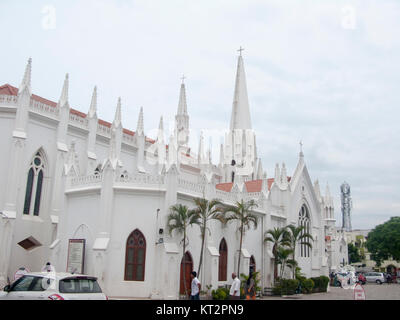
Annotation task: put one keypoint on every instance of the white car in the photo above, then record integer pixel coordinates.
(377, 277)
(53, 286)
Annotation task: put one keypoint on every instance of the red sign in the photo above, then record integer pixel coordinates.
(359, 293)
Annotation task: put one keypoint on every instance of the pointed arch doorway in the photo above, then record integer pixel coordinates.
(186, 269)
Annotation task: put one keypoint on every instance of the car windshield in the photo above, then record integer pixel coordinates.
(79, 285)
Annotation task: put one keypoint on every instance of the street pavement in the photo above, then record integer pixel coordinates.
(372, 292)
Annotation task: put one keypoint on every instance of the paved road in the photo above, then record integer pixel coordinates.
(372, 292)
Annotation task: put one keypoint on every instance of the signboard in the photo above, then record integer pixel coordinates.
(76, 256)
(359, 293)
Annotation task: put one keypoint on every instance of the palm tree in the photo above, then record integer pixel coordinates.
(278, 237)
(283, 255)
(178, 220)
(206, 210)
(241, 212)
(295, 235)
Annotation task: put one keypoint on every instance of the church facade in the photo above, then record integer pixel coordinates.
(93, 197)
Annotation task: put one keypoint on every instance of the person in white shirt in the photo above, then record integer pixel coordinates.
(235, 288)
(196, 286)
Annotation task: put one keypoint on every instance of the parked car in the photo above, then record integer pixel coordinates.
(377, 277)
(53, 286)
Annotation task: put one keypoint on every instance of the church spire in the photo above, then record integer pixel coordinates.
(26, 81)
(93, 105)
(240, 118)
(182, 106)
(117, 119)
(140, 124)
(63, 102)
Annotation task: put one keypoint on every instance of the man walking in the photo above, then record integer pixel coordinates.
(234, 293)
(196, 286)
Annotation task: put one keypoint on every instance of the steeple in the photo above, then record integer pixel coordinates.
(93, 105)
(200, 156)
(182, 106)
(240, 118)
(63, 102)
(182, 118)
(140, 124)
(26, 81)
(277, 175)
(117, 119)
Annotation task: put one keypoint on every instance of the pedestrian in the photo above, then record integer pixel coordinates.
(196, 286)
(249, 288)
(48, 268)
(234, 292)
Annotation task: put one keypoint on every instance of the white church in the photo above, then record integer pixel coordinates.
(92, 197)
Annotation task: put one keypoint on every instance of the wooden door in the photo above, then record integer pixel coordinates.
(186, 268)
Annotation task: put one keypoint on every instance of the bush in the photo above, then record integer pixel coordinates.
(307, 285)
(220, 294)
(324, 281)
(320, 284)
(285, 287)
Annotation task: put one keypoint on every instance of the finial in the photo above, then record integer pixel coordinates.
(301, 149)
(183, 78)
(240, 50)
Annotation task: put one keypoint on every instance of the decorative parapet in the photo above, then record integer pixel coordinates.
(141, 180)
(103, 130)
(44, 109)
(84, 182)
(8, 100)
(78, 121)
(224, 196)
(127, 138)
(185, 186)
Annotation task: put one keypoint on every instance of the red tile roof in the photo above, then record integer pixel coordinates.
(251, 186)
(13, 91)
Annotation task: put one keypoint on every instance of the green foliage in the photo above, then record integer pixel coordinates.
(320, 284)
(384, 241)
(354, 255)
(285, 287)
(307, 285)
(220, 294)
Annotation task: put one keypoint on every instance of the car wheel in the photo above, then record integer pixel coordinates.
(378, 281)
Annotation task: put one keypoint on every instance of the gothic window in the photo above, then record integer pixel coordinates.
(34, 186)
(304, 221)
(135, 256)
(223, 261)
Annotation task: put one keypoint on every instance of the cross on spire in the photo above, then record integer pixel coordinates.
(240, 50)
(301, 146)
(183, 78)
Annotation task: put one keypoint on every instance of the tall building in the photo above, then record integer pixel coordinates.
(347, 205)
(93, 196)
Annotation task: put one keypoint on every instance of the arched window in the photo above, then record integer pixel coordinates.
(135, 256)
(304, 220)
(252, 266)
(34, 185)
(223, 260)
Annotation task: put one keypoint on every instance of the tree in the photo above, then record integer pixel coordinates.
(354, 255)
(283, 255)
(295, 235)
(179, 219)
(278, 238)
(241, 212)
(384, 241)
(206, 210)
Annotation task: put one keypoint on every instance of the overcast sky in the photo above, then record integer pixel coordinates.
(324, 72)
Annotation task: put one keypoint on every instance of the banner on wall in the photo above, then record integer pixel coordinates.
(76, 256)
